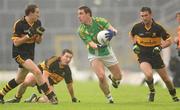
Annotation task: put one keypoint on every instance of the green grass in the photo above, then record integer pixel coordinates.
(126, 97)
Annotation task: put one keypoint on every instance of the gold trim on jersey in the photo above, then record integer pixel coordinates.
(51, 60)
(55, 77)
(14, 38)
(43, 66)
(97, 21)
(19, 59)
(31, 40)
(148, 41)
(148, 28)
(15, 25)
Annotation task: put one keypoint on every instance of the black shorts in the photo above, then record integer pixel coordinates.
(21, 58)
(155, 60)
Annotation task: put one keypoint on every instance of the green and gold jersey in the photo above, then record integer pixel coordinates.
(89, 33)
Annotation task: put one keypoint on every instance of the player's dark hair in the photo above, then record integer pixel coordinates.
(178, 13)
(67, 51)
(143, 9)
(30, 9)
(86, 10)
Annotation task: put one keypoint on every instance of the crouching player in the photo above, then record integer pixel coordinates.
(54, 70)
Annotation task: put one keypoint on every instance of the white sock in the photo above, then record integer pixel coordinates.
(109, 97)
(118, 81)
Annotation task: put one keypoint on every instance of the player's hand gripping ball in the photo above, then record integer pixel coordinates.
(104, 37)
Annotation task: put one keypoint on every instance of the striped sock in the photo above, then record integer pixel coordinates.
(8, 87)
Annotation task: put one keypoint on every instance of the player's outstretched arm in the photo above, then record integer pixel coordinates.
(71, 92)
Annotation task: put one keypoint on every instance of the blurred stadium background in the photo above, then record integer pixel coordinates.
(59, 17)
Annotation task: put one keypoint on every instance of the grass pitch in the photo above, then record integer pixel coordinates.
(126, 97)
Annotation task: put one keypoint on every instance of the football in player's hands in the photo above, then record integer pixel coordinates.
(102, 37)
(30, 32)
(40, 30)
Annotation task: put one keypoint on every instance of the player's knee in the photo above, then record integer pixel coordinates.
(25, 84)
(101, 77)
(37, 72)
(19, 81)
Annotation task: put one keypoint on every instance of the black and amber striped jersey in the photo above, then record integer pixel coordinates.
(57, 72)
(148, 38)
(19, 29)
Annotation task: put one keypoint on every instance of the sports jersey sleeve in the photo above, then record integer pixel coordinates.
(17, 29)
(103, 23)
(68, 75)
(49, 61)
(133, 31)
(39, 23)
(164, 35)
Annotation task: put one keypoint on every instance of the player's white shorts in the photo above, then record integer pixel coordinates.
(108, 60)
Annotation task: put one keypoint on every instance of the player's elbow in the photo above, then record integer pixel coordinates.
(38, 42)
(169, 42)
(16, 43)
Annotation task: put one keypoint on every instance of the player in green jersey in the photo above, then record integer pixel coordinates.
(99, 55)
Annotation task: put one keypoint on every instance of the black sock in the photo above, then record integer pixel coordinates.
(150, 85)
(8, 87)
(172, 92)
(50, 95)
(44, 88)
(38, 88)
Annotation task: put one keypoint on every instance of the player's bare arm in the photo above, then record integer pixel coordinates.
(71, 92)
(20, 40)
(93, 44)
(70, 89)
(166, 43)
(113, 29)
